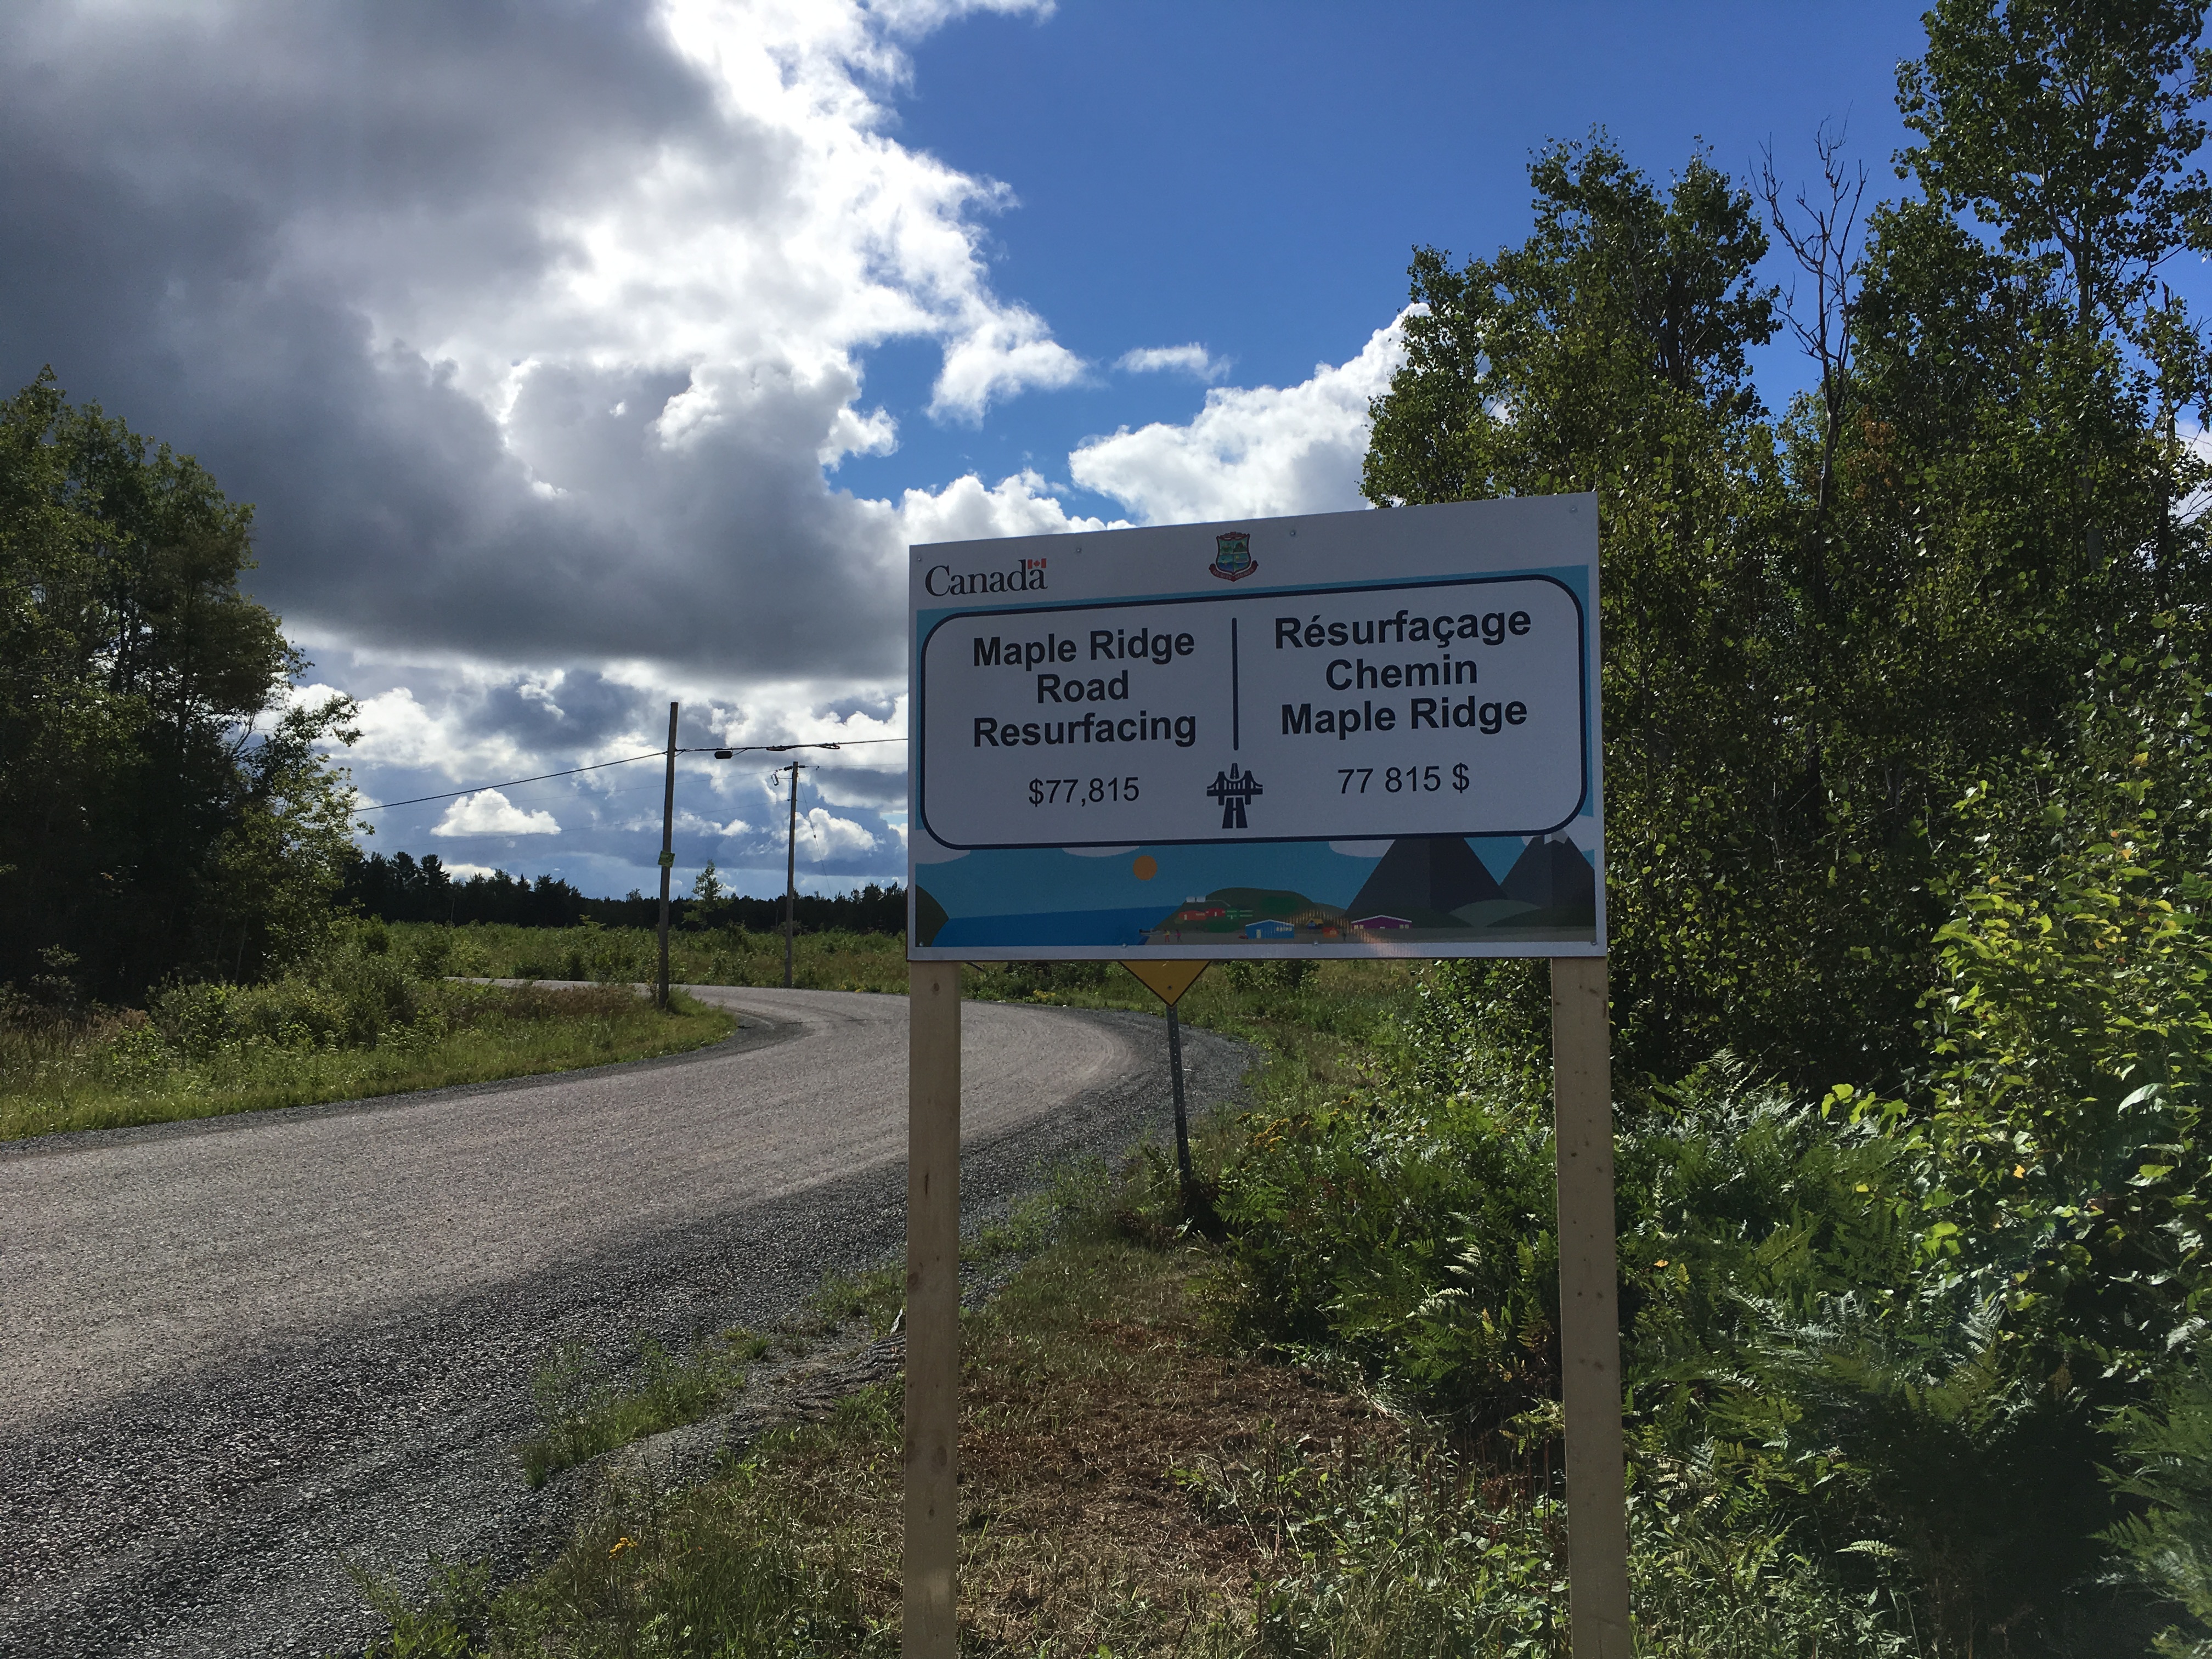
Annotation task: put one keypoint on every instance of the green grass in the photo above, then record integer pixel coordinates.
(582, 1412)
(1133, 1483)
(116, 1069)
(1290, 1004)
(820, 961)
(770, 1559)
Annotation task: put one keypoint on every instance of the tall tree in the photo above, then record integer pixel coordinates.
(1822, 629)
(2068, 127)
(162, 807)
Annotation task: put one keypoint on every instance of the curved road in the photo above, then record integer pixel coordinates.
(240, 1352)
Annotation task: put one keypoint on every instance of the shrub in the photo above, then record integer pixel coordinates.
(1277, 974)
(2166, 1449)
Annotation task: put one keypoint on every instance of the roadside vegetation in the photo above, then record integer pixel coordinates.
(365, 1016)
(832, 960)
(1147, 1471)
(1336, 1432)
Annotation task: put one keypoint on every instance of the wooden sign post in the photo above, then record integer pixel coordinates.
(931, 1557)
(1589, 1310)
(1342, 735)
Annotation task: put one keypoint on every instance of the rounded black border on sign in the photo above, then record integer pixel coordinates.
(921, 696)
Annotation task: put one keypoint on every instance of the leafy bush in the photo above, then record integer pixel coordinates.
(2167, 1446)
(1794, 1331)
(1413, 1234)
(2071, 1030)
(1278, 973)
(1413, 1550)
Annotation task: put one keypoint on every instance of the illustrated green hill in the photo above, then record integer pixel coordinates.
(1243, 906)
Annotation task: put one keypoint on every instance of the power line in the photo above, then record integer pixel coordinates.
(416, 801)
(719, 751)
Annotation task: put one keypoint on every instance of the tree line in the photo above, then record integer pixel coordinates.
(402, 888)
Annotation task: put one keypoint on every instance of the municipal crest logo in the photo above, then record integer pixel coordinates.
(1232, 556)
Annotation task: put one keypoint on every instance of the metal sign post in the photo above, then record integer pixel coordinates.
(1344, 735)
(1168, 980)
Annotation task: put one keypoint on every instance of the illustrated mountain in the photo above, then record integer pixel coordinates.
(1422, 879)
(1553, 875)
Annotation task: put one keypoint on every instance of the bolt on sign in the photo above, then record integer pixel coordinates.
(1347, 734)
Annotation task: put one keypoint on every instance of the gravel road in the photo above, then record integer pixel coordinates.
(241, 1352)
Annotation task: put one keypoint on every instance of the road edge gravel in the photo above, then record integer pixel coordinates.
(754, 1031)
(404, 1478)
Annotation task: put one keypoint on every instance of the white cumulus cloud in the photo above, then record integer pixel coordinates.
(823, 836)
(965, 511)
(488, 812)
(1006, 352)
(397, 729)
(1260, 450)
(1192, 360)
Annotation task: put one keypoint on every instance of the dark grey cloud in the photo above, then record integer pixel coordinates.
(306, 243)
(528, 328)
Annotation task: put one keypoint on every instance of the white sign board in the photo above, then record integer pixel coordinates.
(1355, 734)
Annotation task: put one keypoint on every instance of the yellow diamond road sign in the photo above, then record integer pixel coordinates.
(1168, 980)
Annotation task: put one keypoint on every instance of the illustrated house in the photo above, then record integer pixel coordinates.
(1271, 929)
(1376, 923)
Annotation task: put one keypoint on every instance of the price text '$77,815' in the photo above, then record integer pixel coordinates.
(1071, 792)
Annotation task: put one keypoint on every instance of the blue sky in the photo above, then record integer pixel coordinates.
(579, 358)
(1252, 178)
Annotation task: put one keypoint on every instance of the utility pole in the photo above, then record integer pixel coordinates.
(791, 876)
(668, 856)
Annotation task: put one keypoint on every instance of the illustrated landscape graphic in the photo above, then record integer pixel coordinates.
(1424, 889)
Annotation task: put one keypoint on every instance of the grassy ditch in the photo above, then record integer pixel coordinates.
(1147, 1472)
(1339, 1000)
(369, 1018)
(585, 1407)
(1088, 1385)
(1134, 1482)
